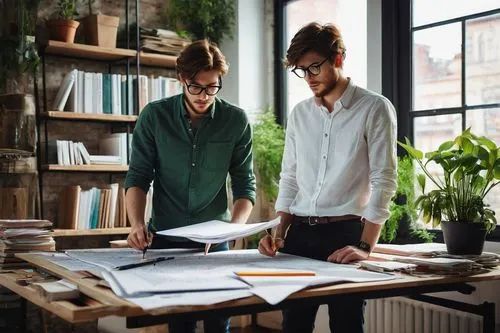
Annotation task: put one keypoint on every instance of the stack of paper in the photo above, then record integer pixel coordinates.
(420, 250)
(386, 266)
(17, 236)
(214, 232)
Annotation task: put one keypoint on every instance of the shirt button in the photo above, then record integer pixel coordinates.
(324, 157)
(326, 134)
(194, 146)
(193, 164)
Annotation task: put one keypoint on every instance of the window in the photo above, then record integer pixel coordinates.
(340, 12)
(455, 73)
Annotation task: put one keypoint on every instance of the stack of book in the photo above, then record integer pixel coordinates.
(95, 208)
(20, 236)
(162, 41)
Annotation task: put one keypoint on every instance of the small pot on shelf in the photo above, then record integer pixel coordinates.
(101, 30)
(63, 30)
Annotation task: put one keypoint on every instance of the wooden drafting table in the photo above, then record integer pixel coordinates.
(98, 300)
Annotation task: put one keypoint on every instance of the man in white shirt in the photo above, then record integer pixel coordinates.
(338, 171)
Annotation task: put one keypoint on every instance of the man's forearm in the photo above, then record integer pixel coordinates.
(371, 233)
(241, 211)
(136, 205)
(285, 221)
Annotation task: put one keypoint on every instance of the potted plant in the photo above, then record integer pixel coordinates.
(268, 145)
(63, 28)
(199, 19)
(100, 30)
(470, 167)
(401, 226)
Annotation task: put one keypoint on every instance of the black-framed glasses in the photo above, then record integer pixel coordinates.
(313, 69)
(196, 89)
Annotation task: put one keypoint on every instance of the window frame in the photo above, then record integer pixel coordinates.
(397, 72)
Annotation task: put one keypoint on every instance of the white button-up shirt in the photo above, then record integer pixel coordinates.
(343, 162)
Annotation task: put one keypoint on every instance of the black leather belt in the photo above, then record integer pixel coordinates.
(314, 220)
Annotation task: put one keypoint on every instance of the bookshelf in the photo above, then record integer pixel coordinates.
(83, 51)
(126, 64)
(63, 115)
(90, 232)
(86, 168)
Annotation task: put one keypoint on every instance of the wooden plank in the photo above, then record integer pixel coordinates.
(89, 116)
(158, 60)
(86, 168)
(91, 232)
(87, 51)
(86, 285)
(86, 310)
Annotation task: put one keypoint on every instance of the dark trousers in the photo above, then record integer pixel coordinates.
(212, 325)
(318, 242)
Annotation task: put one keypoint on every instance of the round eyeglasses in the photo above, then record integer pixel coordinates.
(196, 89)
(313, 69)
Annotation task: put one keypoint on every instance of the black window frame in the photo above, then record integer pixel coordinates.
(397, 72)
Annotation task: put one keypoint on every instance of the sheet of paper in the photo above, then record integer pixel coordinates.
(410, 249)
(384, 266)
(181, 299)
(219, 231)
(110, 258)
(72, 264)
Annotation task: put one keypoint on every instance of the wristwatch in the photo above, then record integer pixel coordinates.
(364, 246)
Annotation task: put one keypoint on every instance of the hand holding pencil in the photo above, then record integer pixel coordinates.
(271, 243)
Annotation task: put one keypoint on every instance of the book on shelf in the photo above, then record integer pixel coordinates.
(106, 93)
(67, 152)
(95, 208)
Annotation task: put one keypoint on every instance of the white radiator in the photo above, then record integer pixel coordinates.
(403, 315)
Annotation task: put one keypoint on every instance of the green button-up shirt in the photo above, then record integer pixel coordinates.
(190, 170)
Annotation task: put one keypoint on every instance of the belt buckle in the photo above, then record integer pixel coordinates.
(312, 222)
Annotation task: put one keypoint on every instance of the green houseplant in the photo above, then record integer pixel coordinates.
(199, 19)
(63, 28)
(470, 168)
(268, 145)
(401, 223)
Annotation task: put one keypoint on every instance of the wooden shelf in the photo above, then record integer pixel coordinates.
(87, 51)
(89, 116)
(86, 168)
(108, 54)
(158, 60)
(90, 232)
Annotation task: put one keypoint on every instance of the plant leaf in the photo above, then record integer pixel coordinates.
(421, 182)
(446, 145)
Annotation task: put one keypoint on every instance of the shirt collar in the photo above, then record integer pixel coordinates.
(346, 98)
(210, 114)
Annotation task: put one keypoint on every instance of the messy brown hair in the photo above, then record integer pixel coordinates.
(323, 39)
(200, 56)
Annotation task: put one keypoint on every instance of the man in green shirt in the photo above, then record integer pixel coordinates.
(188, 144)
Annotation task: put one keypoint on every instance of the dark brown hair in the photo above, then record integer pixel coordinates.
(323, 39)
(198, 56)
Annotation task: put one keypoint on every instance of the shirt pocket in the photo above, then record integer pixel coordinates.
(217, 155)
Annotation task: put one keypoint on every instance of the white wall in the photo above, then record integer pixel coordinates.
(249, 83)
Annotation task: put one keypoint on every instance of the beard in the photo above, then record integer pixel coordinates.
(194, 108)
(329, 86)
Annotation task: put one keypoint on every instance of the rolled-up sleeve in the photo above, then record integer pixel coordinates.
(381, 138)
(241, 169)
(143, 157)
(288, 187)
